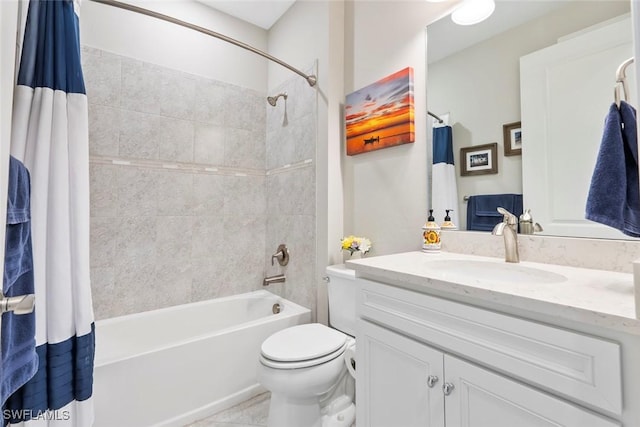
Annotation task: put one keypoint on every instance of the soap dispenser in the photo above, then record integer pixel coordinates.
(448, 224)
(431, 235)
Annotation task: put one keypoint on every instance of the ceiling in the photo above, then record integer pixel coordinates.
(263, 13)
(445, 38)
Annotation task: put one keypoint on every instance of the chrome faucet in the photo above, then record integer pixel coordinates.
(508, 228)
(273, 279)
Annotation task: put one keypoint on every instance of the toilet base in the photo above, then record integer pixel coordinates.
(334, 409)
(286, 413)
(340, 416)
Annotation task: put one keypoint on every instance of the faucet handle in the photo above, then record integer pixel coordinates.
(509, 218)
(282, 255)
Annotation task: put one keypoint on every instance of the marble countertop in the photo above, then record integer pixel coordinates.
(597, 297)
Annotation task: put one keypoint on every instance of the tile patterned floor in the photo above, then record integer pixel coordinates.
(252, 413)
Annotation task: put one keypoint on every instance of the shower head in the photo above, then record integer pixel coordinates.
(273, 99)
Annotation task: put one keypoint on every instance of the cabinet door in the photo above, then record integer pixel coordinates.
(393, 385)
(481, 398)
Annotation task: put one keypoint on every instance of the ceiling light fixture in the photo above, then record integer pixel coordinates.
(473, 11)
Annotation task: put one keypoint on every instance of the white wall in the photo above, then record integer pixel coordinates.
(480, 88)
(386, 190)
(151, 40)
(313, 31)
(334, 180)
(299, 37)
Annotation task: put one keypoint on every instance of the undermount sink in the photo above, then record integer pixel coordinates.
(488, 271)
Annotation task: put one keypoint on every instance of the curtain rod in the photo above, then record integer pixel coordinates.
(431, 114)
(311, 79)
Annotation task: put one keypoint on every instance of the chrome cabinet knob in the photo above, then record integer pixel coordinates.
(447, 388)
(432, 380)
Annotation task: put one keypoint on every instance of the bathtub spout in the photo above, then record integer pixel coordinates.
(273, 279)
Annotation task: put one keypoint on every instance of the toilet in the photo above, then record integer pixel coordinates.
(310, 369)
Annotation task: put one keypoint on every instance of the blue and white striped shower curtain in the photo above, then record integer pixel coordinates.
(50, 136)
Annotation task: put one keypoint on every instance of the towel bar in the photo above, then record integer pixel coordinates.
(22, 304)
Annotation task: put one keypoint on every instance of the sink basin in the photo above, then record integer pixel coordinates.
(487, 271)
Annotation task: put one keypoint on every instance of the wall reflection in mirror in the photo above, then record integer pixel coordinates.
(551, 66)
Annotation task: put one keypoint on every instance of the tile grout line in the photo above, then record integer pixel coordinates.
(196, 167)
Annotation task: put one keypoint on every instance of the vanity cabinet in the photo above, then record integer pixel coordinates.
(426, 361)
(399, 380)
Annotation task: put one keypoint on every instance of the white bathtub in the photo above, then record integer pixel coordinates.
(172, 366)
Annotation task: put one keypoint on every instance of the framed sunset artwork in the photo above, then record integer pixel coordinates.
(381, 115)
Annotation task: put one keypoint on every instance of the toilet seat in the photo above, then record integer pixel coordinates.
(302, 346)
(302, 363)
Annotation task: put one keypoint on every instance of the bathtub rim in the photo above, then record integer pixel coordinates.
(290, 309)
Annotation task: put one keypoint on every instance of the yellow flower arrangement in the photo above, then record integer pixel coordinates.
(355, 244)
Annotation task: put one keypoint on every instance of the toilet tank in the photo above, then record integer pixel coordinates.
(342, 298)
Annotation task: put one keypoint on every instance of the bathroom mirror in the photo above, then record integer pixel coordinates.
(473, 78)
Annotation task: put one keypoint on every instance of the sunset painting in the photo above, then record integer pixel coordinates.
(381, 114)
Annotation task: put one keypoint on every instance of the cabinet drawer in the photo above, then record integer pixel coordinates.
(578, 367)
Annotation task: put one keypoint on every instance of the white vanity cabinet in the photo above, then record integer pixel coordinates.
(427, 361)
(399, 380)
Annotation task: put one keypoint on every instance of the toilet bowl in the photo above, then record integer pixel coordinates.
(309, 369)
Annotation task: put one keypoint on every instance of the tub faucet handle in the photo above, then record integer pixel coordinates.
(282, 255)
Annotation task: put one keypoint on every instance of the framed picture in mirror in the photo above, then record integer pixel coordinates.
(479, 159)
(512, 134)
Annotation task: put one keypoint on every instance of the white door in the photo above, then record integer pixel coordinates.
(566, 90)
(399, 380)
(481, 398)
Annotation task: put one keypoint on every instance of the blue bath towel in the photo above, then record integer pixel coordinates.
(614, 195)
(482, 211)
(18, 361)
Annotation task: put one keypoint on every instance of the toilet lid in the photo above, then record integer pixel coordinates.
(303, 342)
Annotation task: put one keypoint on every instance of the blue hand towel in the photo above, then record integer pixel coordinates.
(18, 361)
(482, 211)
(614, 195)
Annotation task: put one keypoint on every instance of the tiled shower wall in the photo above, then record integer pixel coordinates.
(178, 185)
(291, 189)
(193, 181)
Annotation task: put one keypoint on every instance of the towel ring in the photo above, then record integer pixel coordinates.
(616, 94)
(621, 80)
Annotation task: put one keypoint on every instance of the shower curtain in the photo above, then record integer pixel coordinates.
(50, 136)
(444, 190)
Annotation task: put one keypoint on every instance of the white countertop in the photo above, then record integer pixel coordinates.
(597, 297)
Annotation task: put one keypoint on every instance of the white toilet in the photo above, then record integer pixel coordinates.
(310, 369)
